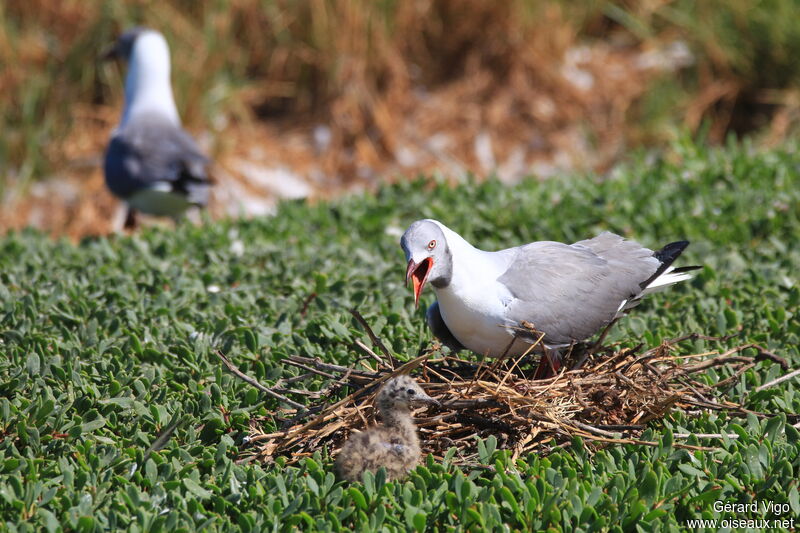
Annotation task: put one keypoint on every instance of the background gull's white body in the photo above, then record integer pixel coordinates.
(147, 85)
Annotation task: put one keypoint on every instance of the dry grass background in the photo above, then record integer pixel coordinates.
(319, 97)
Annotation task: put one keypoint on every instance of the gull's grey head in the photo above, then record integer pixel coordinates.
(428, 256)
(401, 394)
(124, 46)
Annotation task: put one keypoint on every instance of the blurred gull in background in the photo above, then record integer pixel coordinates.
(151, 162)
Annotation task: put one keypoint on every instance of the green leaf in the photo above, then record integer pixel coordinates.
(125, 402)
(648, 487)
(475, 516)
(794, 500)
(33, 364)
(93, 425)
(196, 489)
(86, 524)
(691, 471)
(792, 434)
(50, 521)
(420, 520)
(774, 427)
(358, 498)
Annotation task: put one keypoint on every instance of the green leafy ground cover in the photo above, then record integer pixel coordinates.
(105, 344)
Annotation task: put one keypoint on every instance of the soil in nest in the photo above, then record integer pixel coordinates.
(610, 398)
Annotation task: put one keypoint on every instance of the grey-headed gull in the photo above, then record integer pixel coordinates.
(568, 292)
(151, 162)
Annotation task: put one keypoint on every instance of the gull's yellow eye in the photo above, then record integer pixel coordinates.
(432, 244)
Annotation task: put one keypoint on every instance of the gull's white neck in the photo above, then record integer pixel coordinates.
(147, 86)
(473, 304)
(471, 266)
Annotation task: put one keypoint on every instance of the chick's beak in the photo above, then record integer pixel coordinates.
(418, 274)
(427, 400)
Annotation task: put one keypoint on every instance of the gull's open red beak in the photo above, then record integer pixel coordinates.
(418, 274)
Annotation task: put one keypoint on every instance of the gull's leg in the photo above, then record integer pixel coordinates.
(549, 364)
(131, 220)
(594, 347)
(602, 336)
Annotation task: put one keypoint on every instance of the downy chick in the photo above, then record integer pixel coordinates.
(393, 445)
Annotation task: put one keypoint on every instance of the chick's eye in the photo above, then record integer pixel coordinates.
(411, 392)
(432, 244)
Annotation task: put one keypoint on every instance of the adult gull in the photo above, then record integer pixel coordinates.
(151, 162)
(568, 292)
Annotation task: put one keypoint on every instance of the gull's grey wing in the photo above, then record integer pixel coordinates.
(569, 292)
(150, 150)
(440, 329)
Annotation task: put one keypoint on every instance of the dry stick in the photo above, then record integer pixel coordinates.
(596, 345)
(682, 357)
(717, 406)
(320, 365)
(472, 403)
(729, 357)
(364, 348)
(374, 338)
(592, 429)
(614, 357)
(320, 418)
(669, 343)
(692, 388)
(698, 336)
(437, 374)
(445, 369)
(511, 369)
(781, 379)
(309, 393)
(311, 370)
(306, 303)
(621, 427)
(656, 372)
(478, 372)
(765, 354)
(244, 377)
(632, 384)
(646, 359)
(727, 381)
(719, 360)
(302, 377)
(287, 423)
(481, 371)
(705, 435)
(595, 435)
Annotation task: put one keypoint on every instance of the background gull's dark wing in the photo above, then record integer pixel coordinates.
(151, 151)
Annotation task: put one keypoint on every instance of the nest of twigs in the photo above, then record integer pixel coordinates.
(609, 399)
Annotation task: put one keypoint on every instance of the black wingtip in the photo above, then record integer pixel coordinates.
(666, 255)
(678, 270)
(670, 252)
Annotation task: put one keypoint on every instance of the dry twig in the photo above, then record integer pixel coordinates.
(270, 392)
